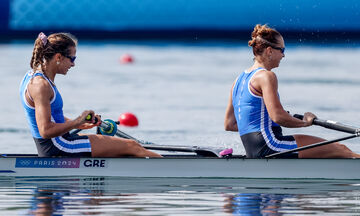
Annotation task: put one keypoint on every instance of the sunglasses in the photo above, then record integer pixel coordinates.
(282, 50)
(72, 58)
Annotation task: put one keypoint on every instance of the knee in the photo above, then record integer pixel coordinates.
(344, 147)
(135, 147)
(134, 144)
(341, 145)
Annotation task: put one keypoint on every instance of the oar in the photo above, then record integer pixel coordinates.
(327, 124)
(202, 151)
(109, 127)
(332, 125)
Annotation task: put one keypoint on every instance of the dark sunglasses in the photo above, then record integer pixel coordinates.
(282, 50)
(72, 58)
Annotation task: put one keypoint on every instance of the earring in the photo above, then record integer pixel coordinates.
(57, 62)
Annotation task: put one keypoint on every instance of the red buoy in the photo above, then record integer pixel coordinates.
(128, 119)
(126, 59)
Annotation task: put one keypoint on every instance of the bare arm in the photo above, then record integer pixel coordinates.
(230, 120)
(87, 124)
(41, 92)
(268, 83)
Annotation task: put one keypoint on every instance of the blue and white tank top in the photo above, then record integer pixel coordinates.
(56, 103)
(249, 109)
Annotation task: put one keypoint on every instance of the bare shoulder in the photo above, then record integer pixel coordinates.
(266, 76)
(39, 86)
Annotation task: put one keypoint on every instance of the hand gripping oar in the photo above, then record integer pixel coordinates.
(109, 127)
(327, 124)
(332, 125)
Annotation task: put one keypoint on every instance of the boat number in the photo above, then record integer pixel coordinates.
(95, 163)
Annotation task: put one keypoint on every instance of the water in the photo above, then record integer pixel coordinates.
(172, 196)
(179, 92)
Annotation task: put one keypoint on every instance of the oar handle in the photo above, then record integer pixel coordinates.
(89, 117)
(332, 125)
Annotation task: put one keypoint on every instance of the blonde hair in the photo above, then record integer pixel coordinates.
(263, 37)
(46, 47)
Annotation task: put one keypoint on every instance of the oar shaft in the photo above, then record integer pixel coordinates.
(119, 133)
(208, 152)
(332, 125)
(311, 146)
(168, 148)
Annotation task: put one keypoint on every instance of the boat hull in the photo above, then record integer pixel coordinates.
(183, 167)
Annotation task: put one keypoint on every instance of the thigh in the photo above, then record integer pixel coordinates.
(108, 146)
(332, 150)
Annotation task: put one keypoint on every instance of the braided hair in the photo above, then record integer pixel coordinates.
(46, 47)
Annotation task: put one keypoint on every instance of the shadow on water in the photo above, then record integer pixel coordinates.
(101, 195)
(13, 130)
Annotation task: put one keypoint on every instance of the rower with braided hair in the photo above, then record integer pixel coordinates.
(43, 107)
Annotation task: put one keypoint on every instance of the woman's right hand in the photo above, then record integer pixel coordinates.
(81, 121)
(309, 118)
(94, 122)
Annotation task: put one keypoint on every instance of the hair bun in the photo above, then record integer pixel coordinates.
(261, 37)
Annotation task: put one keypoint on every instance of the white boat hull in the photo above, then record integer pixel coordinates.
(183, 167)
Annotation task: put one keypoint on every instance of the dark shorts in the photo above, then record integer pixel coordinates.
(67, 145)
(259, 145)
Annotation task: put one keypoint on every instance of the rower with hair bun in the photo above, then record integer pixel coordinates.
(43, 107)
(255, 111)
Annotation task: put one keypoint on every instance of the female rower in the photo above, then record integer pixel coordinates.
(43, 107)
(255, 110)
